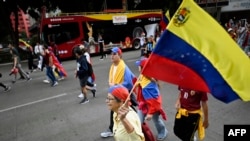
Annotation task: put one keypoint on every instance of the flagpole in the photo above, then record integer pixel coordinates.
(131, 91)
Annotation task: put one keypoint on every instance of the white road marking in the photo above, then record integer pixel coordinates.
(34, 102)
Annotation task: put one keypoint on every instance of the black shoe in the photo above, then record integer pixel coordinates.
(21, 78)
(84, 101)
(93, 92)
(29, 79)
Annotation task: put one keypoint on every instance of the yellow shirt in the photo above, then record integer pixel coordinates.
(120, 133)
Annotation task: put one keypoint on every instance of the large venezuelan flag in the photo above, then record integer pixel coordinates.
(197, 53)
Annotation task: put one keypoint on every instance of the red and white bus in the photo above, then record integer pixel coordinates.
(119, 29)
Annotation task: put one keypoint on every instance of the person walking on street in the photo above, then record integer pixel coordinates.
(192, 114)
(127, 125)
(119, 74)
(6, 88)
(150, 102)
(91, 79)
(150, 45)
(142, 43)
(55, 51)
(17, 63)
(101, 46)
(82, 72)
(39, 51)
(48, 61)
(28, 49)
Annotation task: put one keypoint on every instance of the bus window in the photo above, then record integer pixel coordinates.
(61, 32)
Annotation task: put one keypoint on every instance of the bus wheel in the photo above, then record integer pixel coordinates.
(136, 44)
(137, 32)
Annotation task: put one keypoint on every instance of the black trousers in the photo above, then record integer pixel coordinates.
(185, 127)
(102, 52)
(2, 85)
(31, 64)
(111, 124)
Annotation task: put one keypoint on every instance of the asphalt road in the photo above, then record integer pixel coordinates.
(34, 111)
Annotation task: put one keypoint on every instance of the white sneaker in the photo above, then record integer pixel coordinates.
(46, 81)
(55, 84)
(80, 95)
(195, 138)
(107, 134)
(61, 78)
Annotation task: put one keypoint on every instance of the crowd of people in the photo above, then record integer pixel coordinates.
(240, 33)
(47, 58)
(132, 100)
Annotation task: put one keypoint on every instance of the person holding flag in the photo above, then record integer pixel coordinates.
(119, 74)
(127, 125)
(150, 103)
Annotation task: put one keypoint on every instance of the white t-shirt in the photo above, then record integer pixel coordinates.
(39, 49)
(87, 56)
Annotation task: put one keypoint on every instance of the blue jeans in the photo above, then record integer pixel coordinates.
(50, 74)
(158, 122)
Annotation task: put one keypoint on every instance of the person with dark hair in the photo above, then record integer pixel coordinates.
(28, 49)
(82, 72)
(192, 114)
(143, 41)
(149, 45)
(101, 46)
(17, 64)
(39, 51)
(91, 79)
(55, 51)
(6, 88)
(48, 61)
